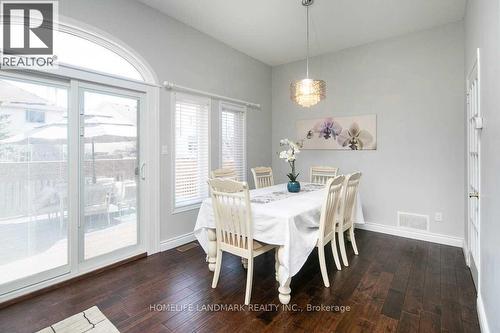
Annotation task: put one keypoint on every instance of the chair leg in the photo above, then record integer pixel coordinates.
(218, 264)
(322, 265)
(353, 241)
(248, 292)
(342, 248)
(335, 252)
(276, 263)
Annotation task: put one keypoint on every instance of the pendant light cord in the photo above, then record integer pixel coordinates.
(307, 40)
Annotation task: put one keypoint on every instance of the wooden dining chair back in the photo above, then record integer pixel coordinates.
(346, 221)
(223, 174)
(329, 214)
(231, 202)
(321, 174)
(350, 195)
(233, 224)
(263, 177)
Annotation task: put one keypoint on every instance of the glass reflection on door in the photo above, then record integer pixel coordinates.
(33, 181)
(109, 173)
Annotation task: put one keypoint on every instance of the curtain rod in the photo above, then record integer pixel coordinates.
(173, 86)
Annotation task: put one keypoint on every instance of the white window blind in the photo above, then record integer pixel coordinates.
(233, 138)
(191, 149)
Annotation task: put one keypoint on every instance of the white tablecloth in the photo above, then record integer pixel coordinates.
(292, 222)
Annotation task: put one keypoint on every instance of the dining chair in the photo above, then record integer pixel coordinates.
(224, 174)
(234, 227)
(329, 214)
(346, 220)
(263, 177)
(321, 174)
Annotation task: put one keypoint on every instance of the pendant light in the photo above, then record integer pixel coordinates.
(307, 92)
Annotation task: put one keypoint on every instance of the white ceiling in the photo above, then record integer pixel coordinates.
(273, 31)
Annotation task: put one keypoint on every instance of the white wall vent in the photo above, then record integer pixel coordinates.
(413, 221)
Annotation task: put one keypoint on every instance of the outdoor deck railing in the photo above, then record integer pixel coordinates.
(24, 186)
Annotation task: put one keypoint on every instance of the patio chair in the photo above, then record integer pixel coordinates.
(97, 200)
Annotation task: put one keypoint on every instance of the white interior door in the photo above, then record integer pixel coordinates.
(474, 125)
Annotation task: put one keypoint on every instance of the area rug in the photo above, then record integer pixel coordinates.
(88, 321)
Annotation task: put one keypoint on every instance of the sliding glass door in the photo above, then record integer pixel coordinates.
(70, 178)
(110, 170)
(34, 229)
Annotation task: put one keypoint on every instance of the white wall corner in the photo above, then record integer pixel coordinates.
(408, 233)
(176, 241)
(465, 249)
(483, 320)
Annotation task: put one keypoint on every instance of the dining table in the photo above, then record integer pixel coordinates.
(288, 220)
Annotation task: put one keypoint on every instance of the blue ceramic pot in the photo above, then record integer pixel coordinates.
(293, 187)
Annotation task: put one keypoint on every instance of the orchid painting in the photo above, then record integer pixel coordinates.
(327, 128)
(346, 133)
(354, 137)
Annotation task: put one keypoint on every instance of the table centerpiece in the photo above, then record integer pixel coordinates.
(289, 154)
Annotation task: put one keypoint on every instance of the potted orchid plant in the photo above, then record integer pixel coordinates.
(289, 154)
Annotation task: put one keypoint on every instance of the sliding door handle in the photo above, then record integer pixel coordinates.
(143, 171)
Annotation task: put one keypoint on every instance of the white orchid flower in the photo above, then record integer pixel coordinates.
(290, 156)
(355, 138)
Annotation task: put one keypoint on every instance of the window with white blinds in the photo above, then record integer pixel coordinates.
(191, 149)
(233, 138)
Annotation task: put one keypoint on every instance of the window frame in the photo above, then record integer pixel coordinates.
(237, 108)
(110, 42)
(73, 76)
(173, 102)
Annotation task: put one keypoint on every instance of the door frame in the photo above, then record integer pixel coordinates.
(150, 189)
(473, 75)
(140, 247)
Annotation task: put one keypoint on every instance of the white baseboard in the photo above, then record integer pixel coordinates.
(420, 235)
(483, 320)
(176, 241)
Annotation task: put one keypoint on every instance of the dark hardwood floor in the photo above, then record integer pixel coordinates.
(394, 285)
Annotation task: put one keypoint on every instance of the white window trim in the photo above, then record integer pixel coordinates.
(109, 41)
(243, 109)
(174, 209)
(151, 88)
